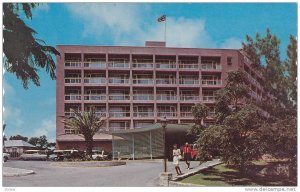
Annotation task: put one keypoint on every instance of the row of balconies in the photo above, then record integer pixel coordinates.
(102, 80)
(102, 97)
(170, 114)
(207, 65)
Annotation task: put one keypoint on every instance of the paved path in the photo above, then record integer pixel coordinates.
(133, 174)
(14, 172)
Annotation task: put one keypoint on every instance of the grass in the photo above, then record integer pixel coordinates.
(222, 175)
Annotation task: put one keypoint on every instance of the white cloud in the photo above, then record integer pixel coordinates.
(47, 127)
(232, 43)
(130, 24)
(42, 7)
(15, 116)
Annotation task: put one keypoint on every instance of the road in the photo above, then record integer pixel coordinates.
(133, 174)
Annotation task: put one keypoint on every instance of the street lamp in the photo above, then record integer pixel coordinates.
(164, 123)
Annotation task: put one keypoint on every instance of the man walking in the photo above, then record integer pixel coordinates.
(187, 150)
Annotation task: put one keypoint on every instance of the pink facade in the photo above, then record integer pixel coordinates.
(137, 86)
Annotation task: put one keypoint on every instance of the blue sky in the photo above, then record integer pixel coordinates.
(221, 25)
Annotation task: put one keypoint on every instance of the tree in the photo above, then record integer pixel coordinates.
(34, 141)
(86, 124)
(23, 53)
(236, 136)
(200, 112)
(18, 137)
(291, 68)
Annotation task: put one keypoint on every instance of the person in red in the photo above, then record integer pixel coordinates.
(187, 150)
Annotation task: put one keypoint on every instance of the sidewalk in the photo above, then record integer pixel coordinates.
(13, 172)
(195, 168)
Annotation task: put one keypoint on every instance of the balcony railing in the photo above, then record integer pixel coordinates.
(118, 81)
(166, 64)
(189, 66)
(72, 97)
(209, 98)
(118, 64)
(69, 114)
(165, 81)
(119, 97)
(95, 80)
(119, 114)
(95, 64)
(189, 97)
(143, 114)
(166, 114)
(189, 81)
(166, 97)
(93, 97)
(143, 65)
(143, 97)
(210, 67)
(211, 82)
(143, 81)
(186, 114)
(75, 64)
(69, 131)
(72, 80)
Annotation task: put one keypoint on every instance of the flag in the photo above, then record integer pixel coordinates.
(162, 18)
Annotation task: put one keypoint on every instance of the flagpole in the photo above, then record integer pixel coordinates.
(166, 31)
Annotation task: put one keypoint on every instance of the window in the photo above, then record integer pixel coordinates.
(229, 60)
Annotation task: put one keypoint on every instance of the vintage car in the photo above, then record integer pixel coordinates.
(34, 155)
(6, 156)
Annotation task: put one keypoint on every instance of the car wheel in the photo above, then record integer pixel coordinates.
(5, 159)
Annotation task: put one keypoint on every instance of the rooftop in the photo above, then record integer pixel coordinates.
(17, 143)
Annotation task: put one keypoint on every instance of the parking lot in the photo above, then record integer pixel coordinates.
(133, 174)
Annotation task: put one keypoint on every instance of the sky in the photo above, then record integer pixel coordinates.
(205, 25)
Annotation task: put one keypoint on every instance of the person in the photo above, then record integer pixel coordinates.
(176, 158)
(187, 152)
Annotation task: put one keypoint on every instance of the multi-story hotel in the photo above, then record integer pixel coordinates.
(136, 86)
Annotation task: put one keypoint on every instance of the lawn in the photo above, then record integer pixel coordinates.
(222, 175)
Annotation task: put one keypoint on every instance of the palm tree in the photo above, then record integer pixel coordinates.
(86, 124)
(23, 53)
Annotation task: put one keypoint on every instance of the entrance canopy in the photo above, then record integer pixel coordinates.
(148, 142)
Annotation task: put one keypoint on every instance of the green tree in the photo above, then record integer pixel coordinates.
(291, 68)
(18, 137)
(86, 124)
(200, 112)
(23, 53)
(43, 142)
(236, 136)
(34, 141)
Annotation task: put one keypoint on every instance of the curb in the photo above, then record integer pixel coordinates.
(89, 164)
(178, 184)
(17, 172)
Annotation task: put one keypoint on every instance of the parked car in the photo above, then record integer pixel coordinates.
(195, 152)
(68, 154)
(99, 155)
(6, 156)
(34, 155)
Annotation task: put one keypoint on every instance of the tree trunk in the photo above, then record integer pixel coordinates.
(89, 146)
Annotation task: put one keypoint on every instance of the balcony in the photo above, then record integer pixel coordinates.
(189, 82)
(209, 98)
(69, 114)
(211, 82)
(166, 64)
(72, 64)
(95, 64)
(95, 80)
(148, 65)
(72, 97)
(166, 97)
(210, 66)
(119, 114)
(166, 114)
(118, 81)
(189, 98)
(143, 114)
(119, 97)
(186, 114)
(190, 66)
(143, 81)
(143, 97)
(118, 64)
(162, 81)
(72, 80)
(94, 97)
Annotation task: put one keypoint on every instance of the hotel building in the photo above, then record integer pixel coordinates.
(137, 86)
